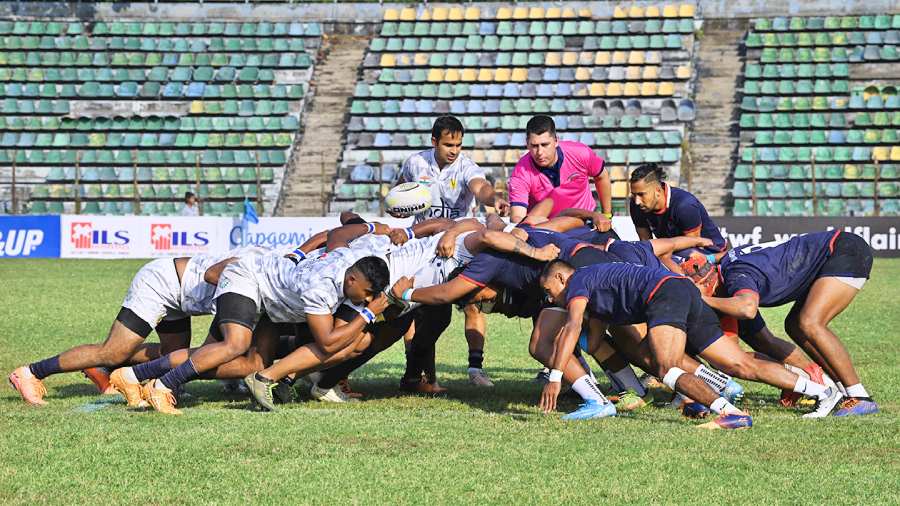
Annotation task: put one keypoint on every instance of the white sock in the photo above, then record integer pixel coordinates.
(587, 367)
(857, 390)
(810, 388)
(715, 379)
(587, 389)
(160, 386)
(128, 373)
(841, 388)
(630, 381)
(721, 406)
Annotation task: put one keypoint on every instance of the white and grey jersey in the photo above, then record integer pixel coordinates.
(198, 296)
(450, 193)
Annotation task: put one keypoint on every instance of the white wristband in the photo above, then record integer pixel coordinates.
(409, 233)
(509, 228)
(371, 228)
(555, 376)
(367, 315)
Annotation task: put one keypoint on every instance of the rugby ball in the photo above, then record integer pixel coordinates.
(407, 199)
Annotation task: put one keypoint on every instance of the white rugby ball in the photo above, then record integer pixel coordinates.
(407, 199)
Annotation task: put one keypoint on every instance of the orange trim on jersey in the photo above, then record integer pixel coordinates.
(661, 281)
(746, 290)
(831, 242)
(573, 299)
(470, 280)
(580, 246)
(666, 199)
(695, 229)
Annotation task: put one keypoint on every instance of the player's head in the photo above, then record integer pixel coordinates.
(647, 187)
(541, 140)
(704, 274)
(366, 279)
(446, 137)
(555, 279)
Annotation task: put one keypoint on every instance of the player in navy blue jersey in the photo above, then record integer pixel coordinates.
(661, 210)
(820, 273)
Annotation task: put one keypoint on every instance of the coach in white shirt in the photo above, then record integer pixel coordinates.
(455, 181)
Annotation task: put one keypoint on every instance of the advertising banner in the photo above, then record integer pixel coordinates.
(29, 236)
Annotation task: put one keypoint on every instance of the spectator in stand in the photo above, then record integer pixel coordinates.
(191, 205)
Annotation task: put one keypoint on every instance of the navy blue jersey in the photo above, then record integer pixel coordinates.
(617, 293)
(683, 215)
(635, 252)
(590, 235)
(539, 238)
(777, 273)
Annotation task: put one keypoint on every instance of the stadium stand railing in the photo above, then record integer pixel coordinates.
(122, 117)
(620, 85)
(815, 140)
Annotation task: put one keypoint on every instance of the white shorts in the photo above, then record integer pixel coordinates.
(238, 278)
(155, 293)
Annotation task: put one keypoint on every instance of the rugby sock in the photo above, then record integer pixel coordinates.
(715, 379)
(808, 387)
(152, 369)
(630, 381)
(179, 375)
(476, 359)
(588, 390)
(45, 367)
(587, 367)
(841, 388)
(721, 406)
(856, 390)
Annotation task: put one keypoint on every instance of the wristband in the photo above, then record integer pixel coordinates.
(711, 258)
(407, 294)
(367, 315)
(409, 233)
(555, 376)
(509, 228)
(299, 253)
(371, 228)
(608, 215)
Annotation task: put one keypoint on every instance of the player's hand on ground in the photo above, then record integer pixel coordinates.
(549, 395)
(502, 206)
(546, 253)
(398, 236)
(446, 246)
(401, 286)
(601, 222)
(379, 304)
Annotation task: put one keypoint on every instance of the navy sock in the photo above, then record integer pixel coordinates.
(476, 359)
(152, 369)
(45, 367)
(179, 375)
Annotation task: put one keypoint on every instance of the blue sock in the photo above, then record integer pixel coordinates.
(180, 375)
(45, 367)
(152, 369)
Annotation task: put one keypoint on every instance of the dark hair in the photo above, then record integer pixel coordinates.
(188, 195)
(648, 172)
(447, 124)
(554, 266)
(375, 270)
(540, 124)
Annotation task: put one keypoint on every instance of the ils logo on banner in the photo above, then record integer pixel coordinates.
(83, 237)
(164, 238)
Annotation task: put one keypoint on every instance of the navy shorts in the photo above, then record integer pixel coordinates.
(677, 303)
(851, 257)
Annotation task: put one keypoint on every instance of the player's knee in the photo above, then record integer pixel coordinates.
(235, 347)
(809, 325)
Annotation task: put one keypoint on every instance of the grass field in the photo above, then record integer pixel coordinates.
(475, 446)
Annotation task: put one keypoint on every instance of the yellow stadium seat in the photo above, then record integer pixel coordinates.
(435, 75)
(652, 12)
(636, 11)
(670, 11)
(666, 89)
(485, 75)
(619, 189)
(602, 58)
(581, 91)
(455, 14)
(568, 12)
(408, 14)
(387, 60)
(504, 13)
(196, 107)
(614, 90)
(620, 13)
(478, 156)
(439, 14)
(851, 171)
(895, 154)
(519, 74)
(421, 59)
(469, 75)
(586, 58)
(472, 14)
(451, 75)
(598, 89)
(425, 16)
(683, 72)
(617, 173)
(404, 61)
(649, 89)
(619, 57)
(553, 13)
(635, 57)
(520, 13)
(552, 59)
(881, 153)
(632, 90)
(536, 13)
(633, 73)
(686, 11)
(582, 74)
(512, 156)
(502, 74)
(650, 73)
(584, 12)
(391, 14)
(494, 157)
(570, 58)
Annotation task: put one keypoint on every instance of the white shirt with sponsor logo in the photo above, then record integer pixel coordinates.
(450, 193)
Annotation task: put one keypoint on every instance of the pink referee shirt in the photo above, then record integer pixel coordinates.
(527, 185)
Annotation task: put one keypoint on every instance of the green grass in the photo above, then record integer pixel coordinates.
(476, 446)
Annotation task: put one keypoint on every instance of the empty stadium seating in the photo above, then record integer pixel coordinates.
(122, 116)
(619, 85)
(809, 133)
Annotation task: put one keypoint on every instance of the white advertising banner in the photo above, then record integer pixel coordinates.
(291, 232)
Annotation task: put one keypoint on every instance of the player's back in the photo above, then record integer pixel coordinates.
(618, 292)
(635, 252)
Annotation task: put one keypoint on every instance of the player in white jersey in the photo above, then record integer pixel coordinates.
(163, 295)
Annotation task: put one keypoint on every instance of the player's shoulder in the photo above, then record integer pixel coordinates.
(683, 197)
(420, 160)
(575, 149)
